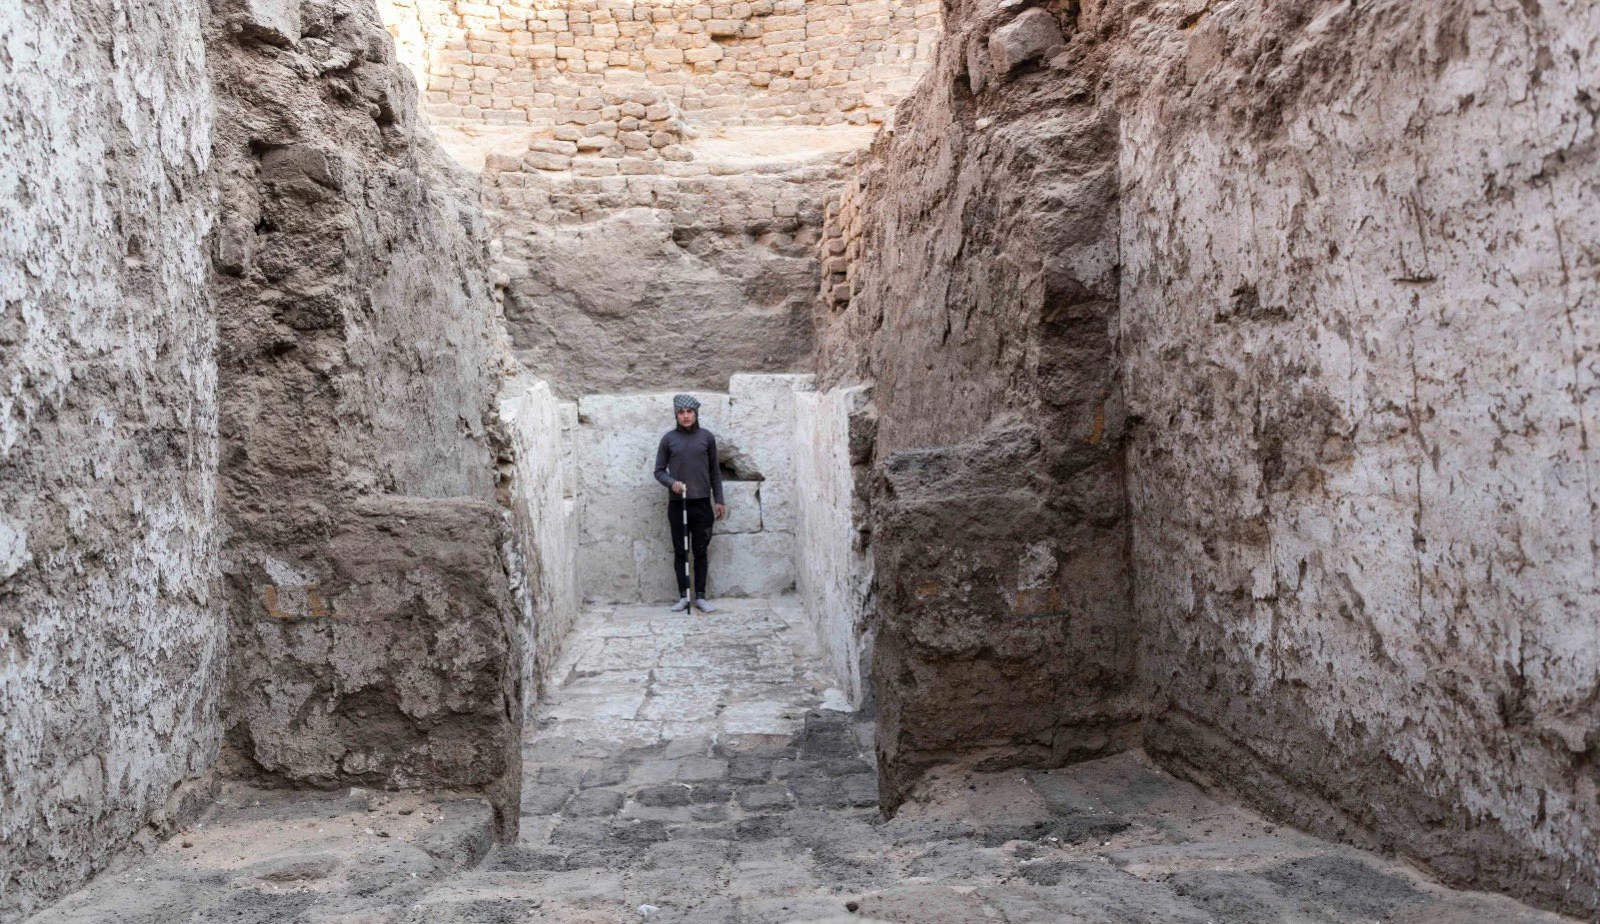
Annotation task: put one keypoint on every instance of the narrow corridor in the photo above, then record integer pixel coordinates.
(702, 769)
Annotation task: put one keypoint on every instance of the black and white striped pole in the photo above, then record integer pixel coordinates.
(688, 573)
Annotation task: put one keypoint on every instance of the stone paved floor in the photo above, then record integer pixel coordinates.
(700, 769)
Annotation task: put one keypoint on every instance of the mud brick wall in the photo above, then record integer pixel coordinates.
(710, 268)
(765, 61)
(1310, 276)
(970, 273)
(392, 666)
(372, 633)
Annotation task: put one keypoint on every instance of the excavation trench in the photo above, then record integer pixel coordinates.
(1110, 392)
(679, 766)
(707, 768)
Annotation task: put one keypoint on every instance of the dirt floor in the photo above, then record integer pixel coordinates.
(702, 769)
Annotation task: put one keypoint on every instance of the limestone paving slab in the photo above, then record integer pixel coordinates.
(755, 803)
(758, 803)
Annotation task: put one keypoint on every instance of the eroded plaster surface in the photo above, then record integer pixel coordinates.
(1232, 373)
(110, 626)
(1358, 308)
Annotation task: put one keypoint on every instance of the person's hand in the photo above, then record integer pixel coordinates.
(721, 511)
(678, 487)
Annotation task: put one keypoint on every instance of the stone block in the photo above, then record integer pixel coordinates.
(708, 794)
(768, 798)
(762, 425)
(664, 795)
(750, 769)
(608, 775)
(594, 802)
(751, 564)
(657, 575)
(540, 160)
(606, 572)
(655, 771)
(701, 768)
(594, 168)
(553, 146)
(662, 57)
(744, 507)
(624, 511)
(544, 799)
(1021, 40)
(463, 837)
(703, 55)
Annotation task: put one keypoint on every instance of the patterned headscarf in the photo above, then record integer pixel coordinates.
(682, 402)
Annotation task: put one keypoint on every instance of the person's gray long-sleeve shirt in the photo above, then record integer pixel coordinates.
(690, 456)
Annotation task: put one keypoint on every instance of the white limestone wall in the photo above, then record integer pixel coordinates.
(544, 512)
(833, 563)
(625, 546)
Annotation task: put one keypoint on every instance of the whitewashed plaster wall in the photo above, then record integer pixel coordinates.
(542, 494)
(625, 546)
(110, 627)
(833, 562)
(1358, 315)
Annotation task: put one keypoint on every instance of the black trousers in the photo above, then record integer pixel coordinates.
(701, 516)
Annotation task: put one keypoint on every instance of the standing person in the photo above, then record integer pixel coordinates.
(686, 463)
